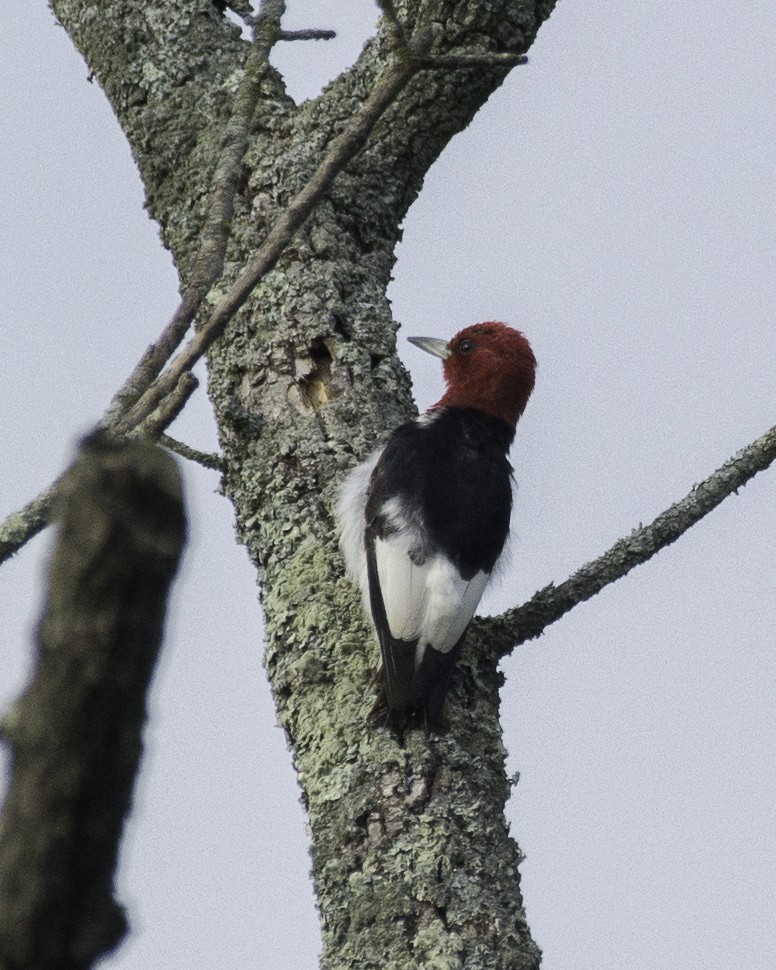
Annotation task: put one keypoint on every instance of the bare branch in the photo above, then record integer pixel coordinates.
(456, 61)
(168, 410)
(215, 232)
(76, 732)
(342, 150)
(528, 621)
(157, 354)
(19, 527)
(312, 33)
(204, 458)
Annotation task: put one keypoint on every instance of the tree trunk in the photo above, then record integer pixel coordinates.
(413, 863)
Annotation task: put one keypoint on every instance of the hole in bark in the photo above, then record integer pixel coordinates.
(316, 386)
(341, 329)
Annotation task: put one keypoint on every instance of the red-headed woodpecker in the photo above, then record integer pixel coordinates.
(424, 520)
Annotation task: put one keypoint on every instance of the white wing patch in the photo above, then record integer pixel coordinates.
(430, 603)
(350, 511)
(403, 587)
(450, 604)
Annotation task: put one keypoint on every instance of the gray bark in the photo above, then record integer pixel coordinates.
(413, 863)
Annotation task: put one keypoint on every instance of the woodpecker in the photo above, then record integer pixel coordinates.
(424, 520)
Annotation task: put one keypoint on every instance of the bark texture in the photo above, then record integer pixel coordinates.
(75, 734)
(413, 863)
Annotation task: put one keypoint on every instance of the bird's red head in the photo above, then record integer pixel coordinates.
(488, 366)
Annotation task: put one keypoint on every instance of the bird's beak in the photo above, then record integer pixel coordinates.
(432, 345)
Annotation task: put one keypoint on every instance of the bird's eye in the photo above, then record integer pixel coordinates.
(465, 346)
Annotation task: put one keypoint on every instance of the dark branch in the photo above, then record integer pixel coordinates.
(76, 732)
(528, 621)
(310, 34)
(457, 61)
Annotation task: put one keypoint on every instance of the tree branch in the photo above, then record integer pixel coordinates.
(204, 458)
(311, 33)
(21, 526)
(209, 263)
(528, 621)
(137, 404)
(461, 61)
(76, 732)
(342, 150)
(168, 410)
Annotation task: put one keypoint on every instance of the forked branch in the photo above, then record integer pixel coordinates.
(125, 418)
(139, 406)
(344, 148)
(215, 232)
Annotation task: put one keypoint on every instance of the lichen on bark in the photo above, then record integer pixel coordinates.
(413, 862)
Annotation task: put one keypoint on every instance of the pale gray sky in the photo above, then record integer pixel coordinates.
(615, 201)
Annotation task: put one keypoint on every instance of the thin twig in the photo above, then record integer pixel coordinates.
(457, 61)
(204, 458)
(28, 521)
(504, 633)
(312, 33)
(214, 236)
(21, 526)
(157, 354)
(168, 410)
